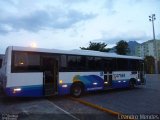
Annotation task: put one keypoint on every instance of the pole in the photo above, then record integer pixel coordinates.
(152, 18)
(153, 29)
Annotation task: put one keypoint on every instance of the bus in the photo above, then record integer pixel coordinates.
(37, 72)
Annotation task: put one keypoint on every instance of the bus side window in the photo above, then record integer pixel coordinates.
(63, 63)
(98, 63)
(133, 65)
(91, 63)
(72, 63)
(81, 63)
(20, 59)
(122, 64)
(25, 62)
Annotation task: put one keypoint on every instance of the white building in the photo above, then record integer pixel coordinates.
(148, 49)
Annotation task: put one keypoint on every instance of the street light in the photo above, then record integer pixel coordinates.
(152, 18)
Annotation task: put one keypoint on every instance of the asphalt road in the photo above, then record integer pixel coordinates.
(32, 109)
(81, 111)
(141, 100)
(57, 108)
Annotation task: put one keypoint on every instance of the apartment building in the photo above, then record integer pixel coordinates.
(148, 49)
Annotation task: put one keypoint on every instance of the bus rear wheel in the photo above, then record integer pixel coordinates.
(77, 90)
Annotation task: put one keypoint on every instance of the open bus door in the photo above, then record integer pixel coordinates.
(50, 75)
(141, 72)
(108, 74)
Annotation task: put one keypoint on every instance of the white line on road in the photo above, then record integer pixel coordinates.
(64, 111)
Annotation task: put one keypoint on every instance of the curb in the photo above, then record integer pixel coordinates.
(96, 106)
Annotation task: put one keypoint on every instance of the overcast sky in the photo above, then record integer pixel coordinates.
(70, 24)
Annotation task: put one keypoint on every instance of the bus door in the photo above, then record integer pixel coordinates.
(50, 75)
(141, 71)
(108, 73)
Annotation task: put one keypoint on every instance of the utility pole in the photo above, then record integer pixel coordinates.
(152, 18)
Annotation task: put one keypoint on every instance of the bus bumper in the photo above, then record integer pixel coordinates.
(25, 91)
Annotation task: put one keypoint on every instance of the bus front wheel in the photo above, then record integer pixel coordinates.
(77, 90)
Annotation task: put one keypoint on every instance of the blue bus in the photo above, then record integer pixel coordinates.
(37, 72)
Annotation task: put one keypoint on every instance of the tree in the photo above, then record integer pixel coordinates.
(122, 47)
(149, 62)
(96, 46)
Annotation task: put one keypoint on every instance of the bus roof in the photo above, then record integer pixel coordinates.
(74, 52)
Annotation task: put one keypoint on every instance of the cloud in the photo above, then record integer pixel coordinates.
(7, 2)
(74, 1)
(4, 29)
(109, 5)
(41, 19)
(134, 2)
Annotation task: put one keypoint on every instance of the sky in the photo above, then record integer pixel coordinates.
(71, 24)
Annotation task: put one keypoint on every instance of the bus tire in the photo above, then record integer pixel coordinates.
(77, 90)
(131, 84)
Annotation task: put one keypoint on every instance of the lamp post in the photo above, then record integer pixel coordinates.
(152, 18)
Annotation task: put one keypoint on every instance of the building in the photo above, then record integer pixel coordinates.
(148, 49)
(1, 59)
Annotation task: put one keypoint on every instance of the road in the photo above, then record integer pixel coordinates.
(57, 108)
(141, 100)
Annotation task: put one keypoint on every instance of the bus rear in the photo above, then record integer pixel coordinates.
(4, 69)
(20, 82)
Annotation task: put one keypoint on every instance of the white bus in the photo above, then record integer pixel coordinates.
(44, 72)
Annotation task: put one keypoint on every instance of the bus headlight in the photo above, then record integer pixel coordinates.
(16, 90)
(94, 83)
(138, 80)
(65, 86)
(106, 82)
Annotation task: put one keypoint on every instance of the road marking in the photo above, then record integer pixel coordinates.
(64, 111)
(96, 106)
